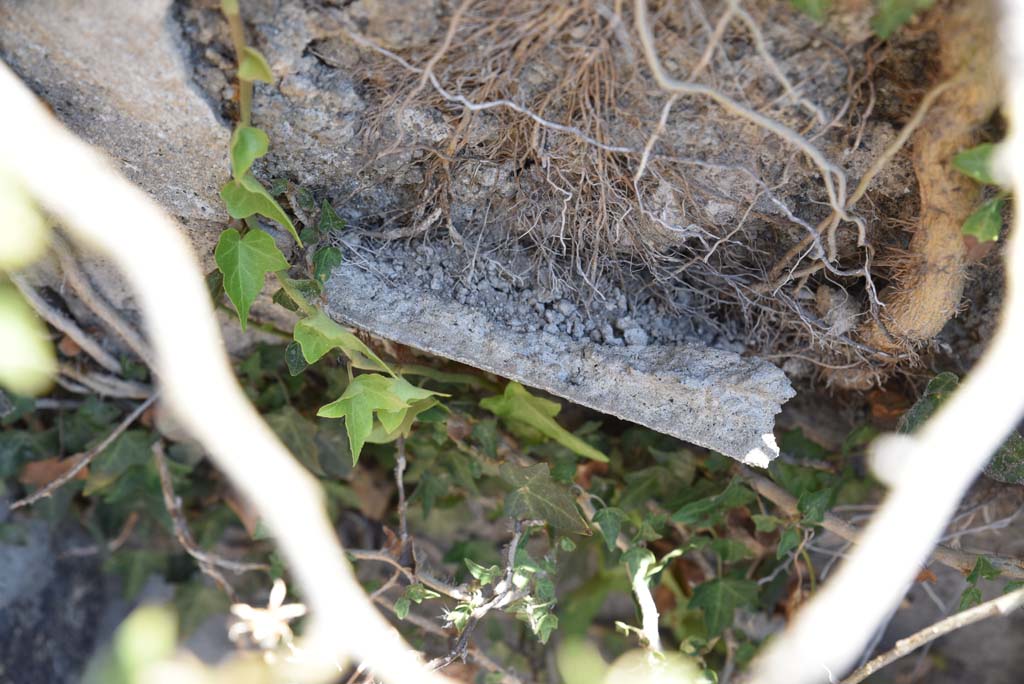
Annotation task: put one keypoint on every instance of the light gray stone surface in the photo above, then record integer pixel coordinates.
(713, 398)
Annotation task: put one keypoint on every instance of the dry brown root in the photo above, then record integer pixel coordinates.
(928, 281)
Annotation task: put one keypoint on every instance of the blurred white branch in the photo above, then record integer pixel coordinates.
(929, 472)
(105, 212)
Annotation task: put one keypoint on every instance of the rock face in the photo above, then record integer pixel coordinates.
(149, 82)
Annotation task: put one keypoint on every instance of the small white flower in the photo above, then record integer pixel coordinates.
(266, 627)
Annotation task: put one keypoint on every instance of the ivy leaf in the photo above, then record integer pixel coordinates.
(891, 14)
(298, 434)
(788, 540)
(707, 511)
(970, 597)
(318, 335)
(986, 221)
(402, 605)
(518, 405)
(536, 496)
(293, 359)
(254, 67)
(481, 574)
(246, 196)
(130, 449)
(719, 599)
(814, 504)
(245, 262)
(247, 145)
(609, 521)
(325, 260)
(983, 569)
(765, 523)
(815, 9)
(329, 219)
(730, 550)
(936, 392)
(1008, 463)
(366, 395)
(976, 163)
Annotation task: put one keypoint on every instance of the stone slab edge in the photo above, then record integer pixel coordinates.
(712, 398)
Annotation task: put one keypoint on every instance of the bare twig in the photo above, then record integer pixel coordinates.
(85, 292)
(105, 385)
(173, 505)
(1005, 604)
(67, 326)
(963, 561)
(403, 524)
(85, 458)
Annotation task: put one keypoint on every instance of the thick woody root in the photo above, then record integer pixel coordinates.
(929, 279)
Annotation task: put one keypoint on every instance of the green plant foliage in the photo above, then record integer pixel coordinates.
(788, 540)
(976, 163)
(325, 260)
(535, 496)
(246, 196)
(130, 449)
(371, 395)
(709, 510)
(247, 145)
(1007, 465)
(812, 505)
(245, 262)
(254, 67)
(329, 219)
(892, 14)
(318, 335)
(516, 405)
(719, 598)
(298, 434)
(985, 222)
(609, 520)
(815, 9)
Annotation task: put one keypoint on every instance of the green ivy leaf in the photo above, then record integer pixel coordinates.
(130, 449)
(293, 359)
(815, 9)
(329, 219)
(939, 389)
(535, 495)
(245, 262)
(983, 569)
(325, 260)
(730, 550)
(247, 145)
(246, 196)
(418, 593)
(976, 163)
(488, 575)
(254, 67)
(812, 505)
(765, 523)
(1008, 463)
(970, 597)
(367, 395)
(719, 599)
(986, 221)
(518, 405)
(609, 521)
(318, 335)
(298, 434)
(891, 14)
(788, 540)
(402, 606)
(709, 510)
